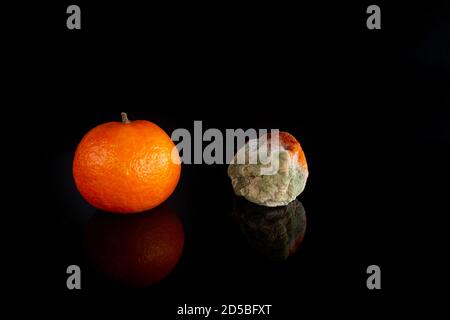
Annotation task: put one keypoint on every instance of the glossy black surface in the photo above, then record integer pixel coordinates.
(371, 110)
(358, 203)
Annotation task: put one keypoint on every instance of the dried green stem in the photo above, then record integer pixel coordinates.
(125, 118)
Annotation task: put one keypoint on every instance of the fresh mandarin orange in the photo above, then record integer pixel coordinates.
(127, 166)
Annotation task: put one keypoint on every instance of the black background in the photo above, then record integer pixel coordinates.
(371, 109)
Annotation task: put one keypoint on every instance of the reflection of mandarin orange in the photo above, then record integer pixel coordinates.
(135, 250)
(126, 167)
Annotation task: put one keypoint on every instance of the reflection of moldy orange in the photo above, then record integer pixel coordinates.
(277, 180)
(135, 250)
(275, 232)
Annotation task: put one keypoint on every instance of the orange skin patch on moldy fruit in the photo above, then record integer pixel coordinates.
(291, 144)
(126, 167)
